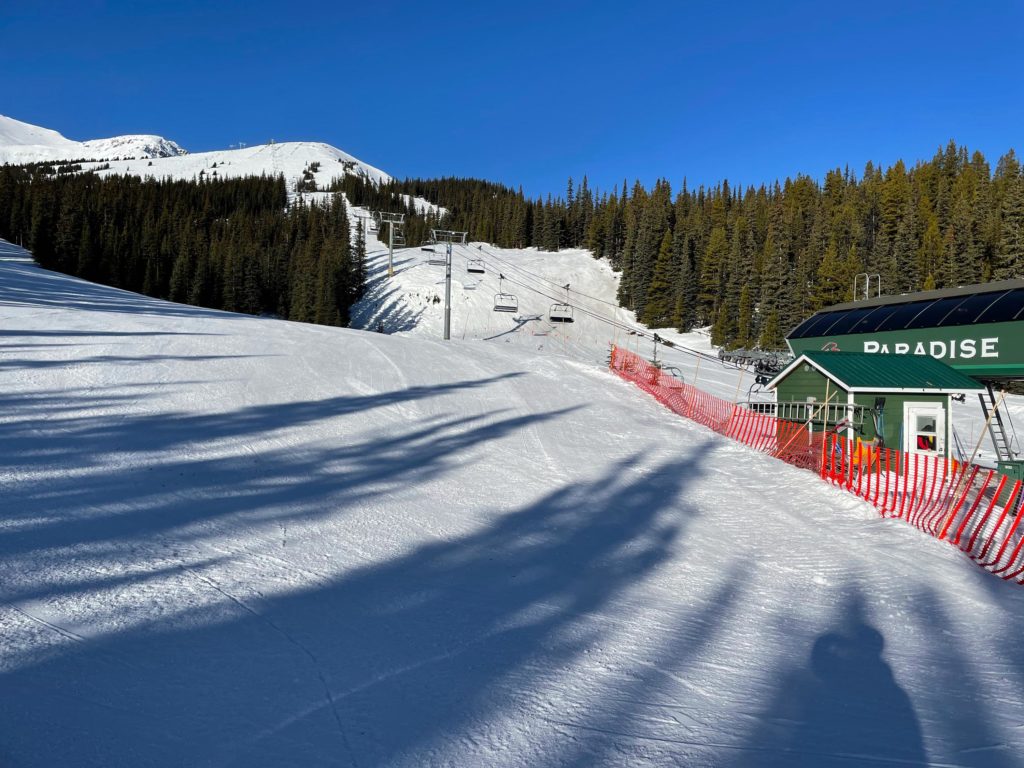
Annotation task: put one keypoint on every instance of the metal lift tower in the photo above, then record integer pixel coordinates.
(447, 237)
(394, 222)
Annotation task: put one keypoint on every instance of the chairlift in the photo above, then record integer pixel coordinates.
(561, 313)
(437, 258)
(476, 266)
(504, 302)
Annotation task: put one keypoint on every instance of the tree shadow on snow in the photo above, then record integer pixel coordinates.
(167, 491)
(401, 662)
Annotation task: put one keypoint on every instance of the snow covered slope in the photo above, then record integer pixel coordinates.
(405, 304)
(229, 540)
(22, 143)
(289, 159)
(157, 157)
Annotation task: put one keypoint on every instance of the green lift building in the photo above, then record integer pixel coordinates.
(975, 333)
(900, 402)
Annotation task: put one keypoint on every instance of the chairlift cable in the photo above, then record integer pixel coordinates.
(548, 280)
(633, 330)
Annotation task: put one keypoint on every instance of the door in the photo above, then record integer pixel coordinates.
(924, 428)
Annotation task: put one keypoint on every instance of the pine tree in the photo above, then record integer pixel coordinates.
(930, 253)
(1009, 256)
(833, 279)
(771, 336)
(658, 310)
(724, 328)
(712, 267)
(744, 315)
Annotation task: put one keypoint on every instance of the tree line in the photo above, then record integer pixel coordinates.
(751, 263)
(233, 244)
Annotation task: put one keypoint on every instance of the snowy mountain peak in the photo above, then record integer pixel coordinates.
(141, 146)
(16, 133)
(22, 142)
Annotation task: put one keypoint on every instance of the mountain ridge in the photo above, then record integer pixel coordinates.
(24, 143)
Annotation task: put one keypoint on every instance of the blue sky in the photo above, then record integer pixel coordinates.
(532, 92)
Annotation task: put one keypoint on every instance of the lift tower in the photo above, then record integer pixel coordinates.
(447, 237)
(395, 234)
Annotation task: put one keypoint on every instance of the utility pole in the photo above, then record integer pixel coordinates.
(868, 280)
(447, 237)
(394, 220)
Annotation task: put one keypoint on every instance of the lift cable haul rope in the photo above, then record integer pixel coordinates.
(616, 324)
(625, 327)
(524, 270)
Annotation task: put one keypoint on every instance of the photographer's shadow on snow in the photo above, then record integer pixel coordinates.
(843, 708)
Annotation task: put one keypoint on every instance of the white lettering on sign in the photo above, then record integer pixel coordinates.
(941, 350)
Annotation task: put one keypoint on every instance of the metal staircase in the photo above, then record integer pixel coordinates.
(996, 427)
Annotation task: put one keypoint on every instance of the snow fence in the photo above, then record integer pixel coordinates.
(974, 509)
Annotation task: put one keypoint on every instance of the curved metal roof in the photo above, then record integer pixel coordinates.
(996, 302)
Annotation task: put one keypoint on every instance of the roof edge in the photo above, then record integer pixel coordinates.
(942, 293)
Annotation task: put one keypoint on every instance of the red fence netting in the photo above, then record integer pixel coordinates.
(975, 509)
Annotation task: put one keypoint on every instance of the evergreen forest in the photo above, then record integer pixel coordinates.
(751, 262)
(226, 244)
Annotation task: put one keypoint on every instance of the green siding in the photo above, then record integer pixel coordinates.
(892, 426)
(807, 381)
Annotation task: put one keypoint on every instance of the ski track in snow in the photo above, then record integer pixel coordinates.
(236, 541)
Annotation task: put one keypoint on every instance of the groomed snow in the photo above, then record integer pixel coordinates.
(234, 541)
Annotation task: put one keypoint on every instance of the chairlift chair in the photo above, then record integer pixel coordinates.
(504, 302)
(561, 313)
(438, 256)
(399, 236)
(476, 266)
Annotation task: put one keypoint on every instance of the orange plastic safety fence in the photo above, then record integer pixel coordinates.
(976, 510)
